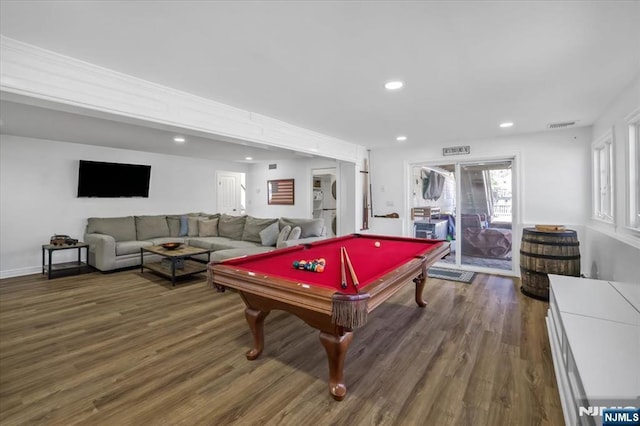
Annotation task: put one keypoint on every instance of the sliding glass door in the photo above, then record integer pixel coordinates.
(469, 204)
(485, 218)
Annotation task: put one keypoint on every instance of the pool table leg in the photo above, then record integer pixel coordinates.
(420, 281)
(255, 318)
(336, 347)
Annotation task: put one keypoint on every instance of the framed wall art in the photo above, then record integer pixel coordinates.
(281, 192)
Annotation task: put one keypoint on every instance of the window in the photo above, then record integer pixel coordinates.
(602, 151)
(633, 170)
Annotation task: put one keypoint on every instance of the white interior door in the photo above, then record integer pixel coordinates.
(229, 192)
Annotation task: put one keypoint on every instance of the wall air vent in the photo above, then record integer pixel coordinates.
(273, 166)
(562, 124)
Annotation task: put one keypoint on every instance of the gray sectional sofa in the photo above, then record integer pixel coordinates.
(115, 242)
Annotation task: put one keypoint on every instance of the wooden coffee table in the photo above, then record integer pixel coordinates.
(179, 265)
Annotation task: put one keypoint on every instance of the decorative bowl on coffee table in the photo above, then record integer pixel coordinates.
(171, 246)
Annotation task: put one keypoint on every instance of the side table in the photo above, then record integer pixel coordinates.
(49, 268)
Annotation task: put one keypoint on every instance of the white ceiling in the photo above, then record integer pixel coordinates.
(467, 65)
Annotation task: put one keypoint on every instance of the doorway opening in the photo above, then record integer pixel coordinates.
(324, 198)
(470, 205)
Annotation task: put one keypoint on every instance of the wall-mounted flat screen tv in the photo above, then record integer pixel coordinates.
(110, 180)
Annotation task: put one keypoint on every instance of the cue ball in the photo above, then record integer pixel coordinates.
(377, 244)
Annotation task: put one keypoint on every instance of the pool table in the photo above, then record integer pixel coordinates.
(383, 265)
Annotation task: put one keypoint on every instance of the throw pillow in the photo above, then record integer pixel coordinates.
(295, 233)
(193, 230)
(231, 226)
(283, 235)
(208, 228)
(309, 227)
(269, 235)
(253, 226)
(184, 226)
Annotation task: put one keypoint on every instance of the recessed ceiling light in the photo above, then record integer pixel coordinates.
(393, 85)
(179, 139)
(507, 124)
(401, 138)
(248, 158)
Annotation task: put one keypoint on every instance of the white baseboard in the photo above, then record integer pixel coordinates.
(10, 273)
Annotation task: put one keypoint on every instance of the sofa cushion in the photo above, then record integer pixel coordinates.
(220, 243)
(178, 225)
(174, 225)
(269, 235)
(283, 235)
(131, 247)
(193, 228)
(295, 233)
(148, 227)
(222, 255)
(120, 228)
(309, 227)
(162, 240)
(242, 244)
(202, 214)
(231, 226)
(253, 226)
(210, 243)
(208, 228)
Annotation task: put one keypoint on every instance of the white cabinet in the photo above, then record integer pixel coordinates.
(594, 332)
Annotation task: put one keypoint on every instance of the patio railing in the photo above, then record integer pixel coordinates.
(502, 210)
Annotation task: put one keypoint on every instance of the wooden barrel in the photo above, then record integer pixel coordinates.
(547, 252)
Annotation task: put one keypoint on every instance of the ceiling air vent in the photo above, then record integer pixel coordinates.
(273, 166)
(561, 124)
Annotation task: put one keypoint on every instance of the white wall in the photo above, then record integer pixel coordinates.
(350, 202)
(606, 257)
(551, 169)
(299, 170)
(612, 252)
(38, 181)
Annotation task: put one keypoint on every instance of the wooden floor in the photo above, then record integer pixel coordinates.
(126, 348)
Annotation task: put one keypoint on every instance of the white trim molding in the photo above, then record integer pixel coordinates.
(602, 171)
(11, 273)
(45, 76)
(632, 181)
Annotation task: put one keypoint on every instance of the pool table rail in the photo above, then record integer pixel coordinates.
(295, 293)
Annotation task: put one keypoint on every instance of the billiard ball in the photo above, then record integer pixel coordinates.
(377, 244)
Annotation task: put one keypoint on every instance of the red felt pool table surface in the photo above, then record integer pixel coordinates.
(369, 262)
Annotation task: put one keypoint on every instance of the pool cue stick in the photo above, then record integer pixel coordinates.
(343, 273)
(354, 277)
